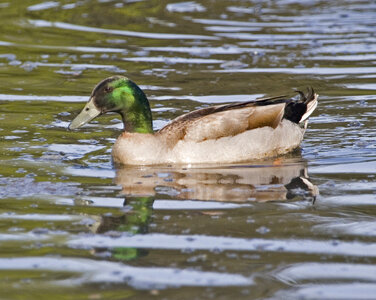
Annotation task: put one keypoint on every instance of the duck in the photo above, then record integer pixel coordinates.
(228, 133)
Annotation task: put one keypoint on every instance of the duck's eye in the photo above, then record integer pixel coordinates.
(108, 89)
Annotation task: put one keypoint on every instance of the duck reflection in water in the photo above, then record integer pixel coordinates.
(269, 181)
(278, 180)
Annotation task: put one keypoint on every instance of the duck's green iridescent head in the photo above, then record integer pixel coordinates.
(121, 95)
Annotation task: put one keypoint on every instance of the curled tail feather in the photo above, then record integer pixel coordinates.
(299, 111)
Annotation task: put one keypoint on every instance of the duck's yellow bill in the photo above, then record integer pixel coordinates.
(88, 113)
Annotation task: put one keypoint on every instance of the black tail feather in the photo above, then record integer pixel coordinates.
(295, 110)
(311, 94)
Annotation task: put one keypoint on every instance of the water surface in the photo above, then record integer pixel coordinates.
(73, 225)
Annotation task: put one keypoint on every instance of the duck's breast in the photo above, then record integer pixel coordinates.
(138, 149)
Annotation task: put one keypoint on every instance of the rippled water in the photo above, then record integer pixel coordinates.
(73, 226)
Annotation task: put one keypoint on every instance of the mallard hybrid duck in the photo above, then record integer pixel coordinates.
(218, 134)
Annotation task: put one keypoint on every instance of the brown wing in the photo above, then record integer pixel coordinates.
(220, 121)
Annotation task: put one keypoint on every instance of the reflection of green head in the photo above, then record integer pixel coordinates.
(121, 95)
(136, 222)
(137, 218)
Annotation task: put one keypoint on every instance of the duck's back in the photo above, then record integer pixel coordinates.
(221, 121)
(232, 119)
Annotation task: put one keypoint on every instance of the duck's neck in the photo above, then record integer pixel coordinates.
(137, 117)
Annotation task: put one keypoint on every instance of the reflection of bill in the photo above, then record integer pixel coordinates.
(235, 183)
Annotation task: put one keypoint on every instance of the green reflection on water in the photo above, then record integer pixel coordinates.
(137, 221)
